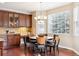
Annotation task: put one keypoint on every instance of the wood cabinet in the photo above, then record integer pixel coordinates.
(5, 19)
(13, 20)
(1, 20)
(13, 40)
(16, 20)
(22, 21)
(1, 48)
(25, 20)
(28, 20)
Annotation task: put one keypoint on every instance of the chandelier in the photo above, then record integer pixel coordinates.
(40, 13)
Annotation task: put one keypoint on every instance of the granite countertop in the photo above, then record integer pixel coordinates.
(12, 34)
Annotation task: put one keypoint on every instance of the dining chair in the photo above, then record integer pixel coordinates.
(41, 44)
(27, 41)
(50, 43)
(33, 43)
(24, 39)
(57, 39)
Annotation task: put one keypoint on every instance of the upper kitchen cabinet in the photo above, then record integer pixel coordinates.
(1, 18)
(22, 20)
(28, 20)
(25, 20)
(16, 20)
(13, 20)
(5, 19)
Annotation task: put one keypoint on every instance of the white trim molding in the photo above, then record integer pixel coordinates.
(17, 11)
(70, 49)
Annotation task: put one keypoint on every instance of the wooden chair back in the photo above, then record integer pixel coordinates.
(57, 39)
(41, 40)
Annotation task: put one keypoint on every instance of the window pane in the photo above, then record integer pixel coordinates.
(59, 22)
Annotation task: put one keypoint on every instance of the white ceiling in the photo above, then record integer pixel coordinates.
(28, 7)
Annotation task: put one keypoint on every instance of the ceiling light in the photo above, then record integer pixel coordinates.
(40, 13)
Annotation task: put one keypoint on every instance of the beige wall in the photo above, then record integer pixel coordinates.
(61, 8)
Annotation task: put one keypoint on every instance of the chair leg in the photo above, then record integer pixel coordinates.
(33, 48)
(24, 41)
(40, 51)
(50, 49)
(46, 51)
(54, 50)
(58, 50)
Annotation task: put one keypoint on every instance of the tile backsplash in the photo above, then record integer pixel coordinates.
(21, 30)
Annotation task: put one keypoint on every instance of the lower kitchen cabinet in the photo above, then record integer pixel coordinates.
(1, 48)
(13, 40)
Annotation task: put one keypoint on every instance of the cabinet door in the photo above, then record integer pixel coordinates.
(5, 19)
(10, 40)
(13, 41)
(16, 20)
(11, 20)
(17, 40)
(28, 20)
(22, 20)
(1, 20)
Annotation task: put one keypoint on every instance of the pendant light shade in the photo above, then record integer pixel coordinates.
(40, 13)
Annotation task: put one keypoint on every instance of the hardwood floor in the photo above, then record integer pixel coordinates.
(21, 51)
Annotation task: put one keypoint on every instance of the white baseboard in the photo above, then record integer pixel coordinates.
(70, 49)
